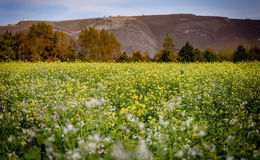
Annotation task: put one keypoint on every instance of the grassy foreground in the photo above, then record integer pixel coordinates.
(129, 111)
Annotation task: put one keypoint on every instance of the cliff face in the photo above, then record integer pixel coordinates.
(146, 33)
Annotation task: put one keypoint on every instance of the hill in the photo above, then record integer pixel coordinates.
(146, 33)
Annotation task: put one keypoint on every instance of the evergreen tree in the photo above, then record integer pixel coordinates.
(8, 47)
(210, 55)
(123, 58)
(186, 53)
(198, 55)
(240, 54)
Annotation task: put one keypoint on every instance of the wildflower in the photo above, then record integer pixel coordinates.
(118, 152)
(94, 102)
(162, 122)
(143, 152)
(141, 125)
(201, 133)
(69, 128)
(11, 138)
(130, 118)
(230, 138)
(256, 153)
(73, 154)
(211, 148)
(179, 154)
(188, 121)
(23, 143)
(229, 157)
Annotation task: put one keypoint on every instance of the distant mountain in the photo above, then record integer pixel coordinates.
(146, 33)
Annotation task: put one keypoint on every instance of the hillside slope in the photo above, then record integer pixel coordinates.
(146, 33)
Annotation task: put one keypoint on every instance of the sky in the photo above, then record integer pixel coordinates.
(13, 11)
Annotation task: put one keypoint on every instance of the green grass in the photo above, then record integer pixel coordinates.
(129, 111)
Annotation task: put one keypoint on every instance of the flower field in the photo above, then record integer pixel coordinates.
(129, 111)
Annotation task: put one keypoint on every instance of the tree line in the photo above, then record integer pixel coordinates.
(42, 43)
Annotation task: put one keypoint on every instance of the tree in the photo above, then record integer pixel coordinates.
(23, 46)
(198, 55)
(167, 54)
(240, 54)
(7, 47)
(64, 49)
(98, 45)
(123, 58)
(254, 53)
(137, 56)
(42, 42)
(186, 53)
(210, 55)
(168, 44)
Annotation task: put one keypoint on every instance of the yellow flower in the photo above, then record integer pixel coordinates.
(23, 143)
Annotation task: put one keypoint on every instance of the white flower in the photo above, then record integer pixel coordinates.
(179, 154)
(141, 125)
(162, 122)
(119, 153)
(230, 138)
(94, 138)
(130, 118)
(10, 138)
(256, 153)
(69, 128)
(73, 154)
(229, 157)
(143, 152)
(188, 121)
(94, 102)
(211, 147)
(201, 133)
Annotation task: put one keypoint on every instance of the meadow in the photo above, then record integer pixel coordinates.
(129, 111)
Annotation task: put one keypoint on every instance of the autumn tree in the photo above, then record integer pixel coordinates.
(42, 42)
(137, 56)
(98, 45)
(23, 46)
(64, 49)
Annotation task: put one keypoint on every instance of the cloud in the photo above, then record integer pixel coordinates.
(100, 7)
(76, 5)
(74, 9)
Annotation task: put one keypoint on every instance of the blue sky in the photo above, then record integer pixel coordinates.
(12, 11)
